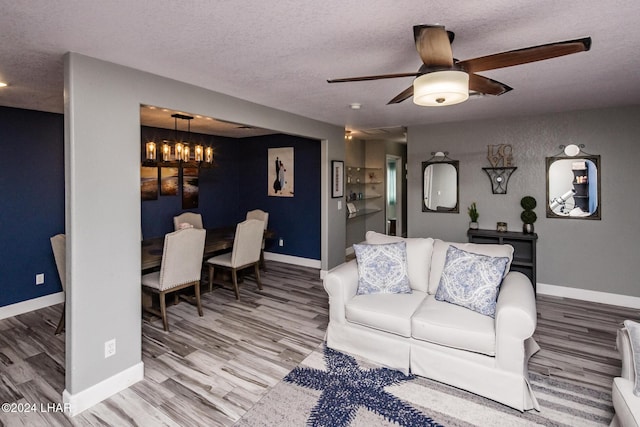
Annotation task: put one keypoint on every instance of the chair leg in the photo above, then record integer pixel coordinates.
(60, 327)
(198, 302)
(262, 264)
(257, 270)
(234, 277)
(210, 277)
(163, 312)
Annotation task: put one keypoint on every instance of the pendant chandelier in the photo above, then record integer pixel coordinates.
(179, 151)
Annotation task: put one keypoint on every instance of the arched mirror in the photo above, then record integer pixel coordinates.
(573, 185)
(440, 184)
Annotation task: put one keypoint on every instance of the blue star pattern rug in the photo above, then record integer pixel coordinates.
(346, 388)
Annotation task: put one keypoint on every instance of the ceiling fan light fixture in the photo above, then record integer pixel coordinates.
(440, 88)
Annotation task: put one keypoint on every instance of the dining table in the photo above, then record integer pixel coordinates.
(217, 240)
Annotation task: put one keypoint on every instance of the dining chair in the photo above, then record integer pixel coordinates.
(245, 254)
(59, 245)
(180, 268)
(192, 218)
(262, 216)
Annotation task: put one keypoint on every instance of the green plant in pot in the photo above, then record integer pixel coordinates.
(473, 215)
(528, 216)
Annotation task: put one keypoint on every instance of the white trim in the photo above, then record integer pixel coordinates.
(587, 295)
(103, 390)
(349, 251)
(31, 305)
(295, 260)
(322, 274)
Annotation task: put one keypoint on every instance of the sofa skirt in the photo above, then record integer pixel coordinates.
(388, 350)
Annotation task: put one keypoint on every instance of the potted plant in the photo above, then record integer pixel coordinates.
(528, 216)
(473, 215)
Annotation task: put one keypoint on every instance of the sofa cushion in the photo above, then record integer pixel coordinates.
(440, 255)
(389, 313)
(634, 336)
(382, 269)
(450, 325)
(419, 250)
(471, 280)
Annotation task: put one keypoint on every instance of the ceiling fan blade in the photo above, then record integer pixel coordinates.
(526, 55)
(405, 94)
(434, 46)
(379, 77)
(486, 85)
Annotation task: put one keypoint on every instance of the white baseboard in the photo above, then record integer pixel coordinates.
(588, 295)
(295, 260)
(31, 305)
(76, 403)
(349, 251)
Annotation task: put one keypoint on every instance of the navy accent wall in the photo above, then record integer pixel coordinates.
(32, 188)
(295, 219)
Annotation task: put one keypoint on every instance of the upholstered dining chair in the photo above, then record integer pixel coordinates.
(192, 218)
(245, 254)
(180, 268)
(59, 247)
(264, 217)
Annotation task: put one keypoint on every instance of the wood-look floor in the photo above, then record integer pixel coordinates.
(210, 370)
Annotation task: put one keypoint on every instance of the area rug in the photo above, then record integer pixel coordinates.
(330, 388)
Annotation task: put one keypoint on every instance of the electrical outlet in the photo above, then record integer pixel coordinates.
(40, 279)
(109, 348)
(281, 242)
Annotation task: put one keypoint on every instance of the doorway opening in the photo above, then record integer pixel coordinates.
(394, 196)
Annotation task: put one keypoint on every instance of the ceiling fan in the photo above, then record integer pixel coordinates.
(444, 80)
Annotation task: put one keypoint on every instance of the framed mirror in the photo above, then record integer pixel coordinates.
(573, 185)
(440, 184)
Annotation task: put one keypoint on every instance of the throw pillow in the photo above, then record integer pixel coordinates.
(382, 269)
(471, 280)
(634, 334)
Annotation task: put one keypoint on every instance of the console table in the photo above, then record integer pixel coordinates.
(524, 248)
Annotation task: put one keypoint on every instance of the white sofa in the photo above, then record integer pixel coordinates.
(435, 339)
(625, 403)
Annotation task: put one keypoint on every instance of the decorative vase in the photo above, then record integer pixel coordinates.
(527, 228)
(473, 225)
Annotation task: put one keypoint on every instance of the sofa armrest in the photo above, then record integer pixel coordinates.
(623, 343)
(341, 284)
(516, 320)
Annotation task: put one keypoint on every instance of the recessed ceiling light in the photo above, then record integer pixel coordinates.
(3, 84)
(355, 106)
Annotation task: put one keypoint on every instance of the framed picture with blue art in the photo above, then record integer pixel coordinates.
(337, 178)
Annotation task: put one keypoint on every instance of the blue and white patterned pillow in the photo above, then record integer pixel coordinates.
(471, 280)
(382, 269)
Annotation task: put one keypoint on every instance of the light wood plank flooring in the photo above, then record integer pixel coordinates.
(211, 370)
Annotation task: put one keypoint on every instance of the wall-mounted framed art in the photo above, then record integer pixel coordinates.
(280, 172)
(337, 178)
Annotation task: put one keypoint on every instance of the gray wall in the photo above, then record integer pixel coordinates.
(587, 254)
(102, 141)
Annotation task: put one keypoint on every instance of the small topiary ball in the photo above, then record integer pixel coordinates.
(528, 217)
(528, 203)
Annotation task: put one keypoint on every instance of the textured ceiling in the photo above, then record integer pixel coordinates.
(279, 53)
